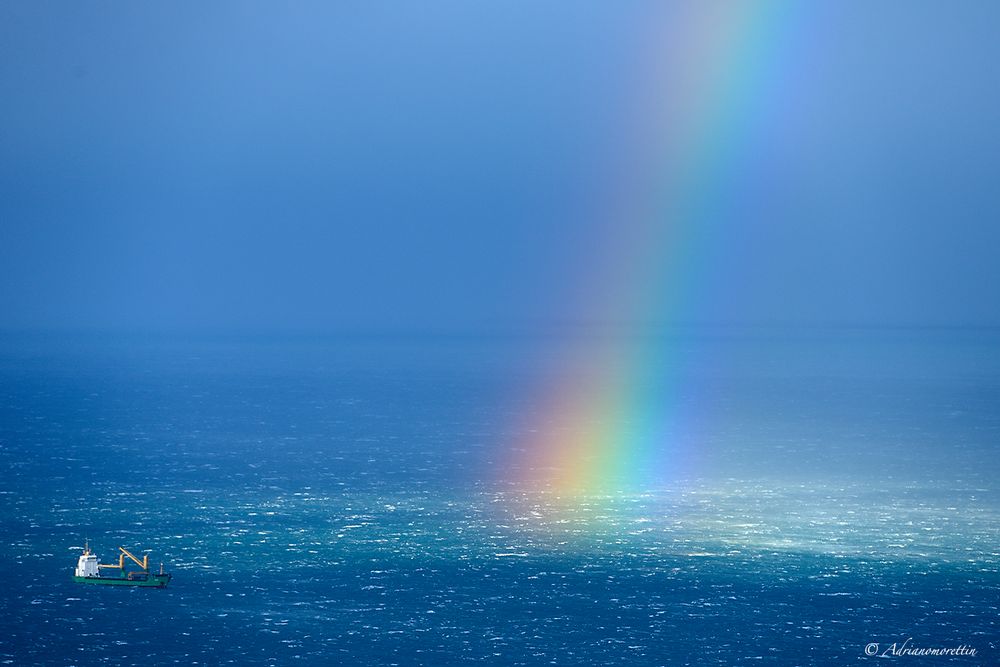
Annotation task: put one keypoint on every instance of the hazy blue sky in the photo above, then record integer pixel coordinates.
(433, 166)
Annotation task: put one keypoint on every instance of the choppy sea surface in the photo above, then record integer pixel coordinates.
(358, 501)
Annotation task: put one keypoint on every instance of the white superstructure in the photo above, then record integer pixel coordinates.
(87, 565)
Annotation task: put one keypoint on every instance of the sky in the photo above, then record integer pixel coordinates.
(491, 167)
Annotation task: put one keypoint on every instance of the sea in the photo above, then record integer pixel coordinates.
(363, 500)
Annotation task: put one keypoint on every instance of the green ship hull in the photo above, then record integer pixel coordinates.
(149, 581)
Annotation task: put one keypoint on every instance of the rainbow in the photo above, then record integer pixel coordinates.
(616, 419)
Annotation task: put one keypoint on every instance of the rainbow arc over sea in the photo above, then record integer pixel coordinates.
(619, 418)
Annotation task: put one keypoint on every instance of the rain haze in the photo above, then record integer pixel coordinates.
(331, 167)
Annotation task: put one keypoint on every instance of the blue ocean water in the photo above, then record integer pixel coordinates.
(357, 501)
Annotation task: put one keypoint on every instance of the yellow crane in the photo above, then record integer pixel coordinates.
(144, 563)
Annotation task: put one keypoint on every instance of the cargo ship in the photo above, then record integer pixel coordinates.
(89, 571)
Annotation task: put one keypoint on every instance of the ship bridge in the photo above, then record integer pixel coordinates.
(87, 565)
